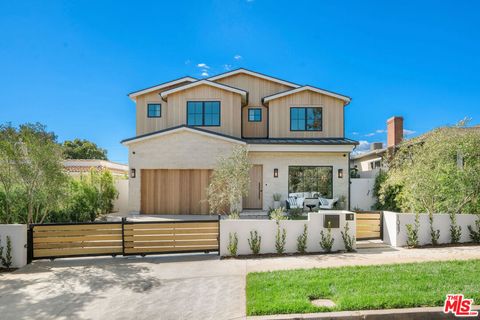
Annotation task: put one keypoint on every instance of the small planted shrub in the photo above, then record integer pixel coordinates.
(278, 214)
(302, 240)
(455, 230)
(280, 239)
(326, 241)
(348, 240)
(254, 242)
(475, 234)
(7, 260)
(412, 232)
(434, 234)
(277, 196)
(232, 244)
(234, 215)
(295, 212)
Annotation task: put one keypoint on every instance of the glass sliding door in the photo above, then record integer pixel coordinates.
(311, 179)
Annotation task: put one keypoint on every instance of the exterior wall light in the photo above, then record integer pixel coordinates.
(340, 173)
(133, 173)
(275, 173)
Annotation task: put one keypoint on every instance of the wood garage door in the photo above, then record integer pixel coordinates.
(165, 191)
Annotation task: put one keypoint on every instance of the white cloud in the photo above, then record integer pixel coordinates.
(205, 73)
(203, 65)
(363, 146)
(227, 67)
(370, 134)
(355, 133)
(237, 57)
(408, 132)
(187, 61)
(380, 131)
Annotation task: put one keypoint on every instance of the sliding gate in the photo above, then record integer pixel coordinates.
(50, 241)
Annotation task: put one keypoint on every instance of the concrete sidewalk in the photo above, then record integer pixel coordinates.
(167, 287)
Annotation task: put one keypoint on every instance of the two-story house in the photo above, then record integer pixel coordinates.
(294, 134)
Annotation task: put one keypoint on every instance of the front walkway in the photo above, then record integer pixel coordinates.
(167, 287)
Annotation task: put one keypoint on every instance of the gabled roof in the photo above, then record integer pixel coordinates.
(307, 88)
(180, 128)
(314, 141)
(241, 92)
(134, 94)
(254, 74)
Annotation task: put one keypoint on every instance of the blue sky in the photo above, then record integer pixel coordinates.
(70, 64)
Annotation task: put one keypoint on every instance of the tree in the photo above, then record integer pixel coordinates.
(83, 149)
(31, 173)
(437, 172)
(230, 181)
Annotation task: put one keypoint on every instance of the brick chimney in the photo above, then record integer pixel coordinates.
(394, 131)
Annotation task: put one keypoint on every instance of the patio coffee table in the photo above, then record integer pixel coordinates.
(311, 203)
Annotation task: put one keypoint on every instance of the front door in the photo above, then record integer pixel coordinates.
(254, 199)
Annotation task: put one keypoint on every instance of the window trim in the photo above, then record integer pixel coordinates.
(203, 114)
(154, 103)
(254, 109)
(310, 166)
(305, 108)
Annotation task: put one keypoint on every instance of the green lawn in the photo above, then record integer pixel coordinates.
(368, 287)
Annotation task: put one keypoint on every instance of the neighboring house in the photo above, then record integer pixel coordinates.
(368, 164)
(76, 167)
(294, 134)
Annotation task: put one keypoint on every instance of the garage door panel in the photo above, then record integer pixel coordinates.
(173, 191)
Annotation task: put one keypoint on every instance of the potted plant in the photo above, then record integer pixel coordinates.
(276, 200)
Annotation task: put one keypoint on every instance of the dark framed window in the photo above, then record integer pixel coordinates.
(154, 110)
(306, 119)
(203, 113)
(312, 179)
(254, 115)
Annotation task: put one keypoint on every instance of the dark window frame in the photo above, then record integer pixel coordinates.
(154, 104)
(254, 109)
(306, 119)
(300, 166)
(203, 114)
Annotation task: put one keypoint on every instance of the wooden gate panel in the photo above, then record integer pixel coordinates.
(369, 225)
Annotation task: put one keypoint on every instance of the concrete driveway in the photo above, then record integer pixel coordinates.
(173, 287)
(168, 287)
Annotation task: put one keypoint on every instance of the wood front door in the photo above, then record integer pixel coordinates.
(254, 199)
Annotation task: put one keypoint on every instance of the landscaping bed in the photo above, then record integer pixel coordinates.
(362, 287)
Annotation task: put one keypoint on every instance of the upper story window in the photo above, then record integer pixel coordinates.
(305, 119)
(254, 115)
(203, 113)
(154, 110)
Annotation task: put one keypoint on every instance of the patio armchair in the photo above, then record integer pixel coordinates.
(326, 203)
(295, 203)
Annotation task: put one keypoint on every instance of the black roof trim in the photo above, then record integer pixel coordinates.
(313, 141)
(307, 85)
(160, 84)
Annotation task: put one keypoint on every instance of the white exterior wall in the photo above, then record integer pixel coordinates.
(395, 230)
(282, 160)
(18, 237)
(361, 193)
(182, 150)
(120, 204)
(267, 229)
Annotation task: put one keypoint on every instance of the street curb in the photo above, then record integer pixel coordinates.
(430, 313)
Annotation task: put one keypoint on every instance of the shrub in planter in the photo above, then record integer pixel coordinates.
(475, 234)
(434, 234)
(412, 232)
(234, 215)
(232, 244)
(278, 214)
(302, 240)
(280, 239)
(348, 240)
(455, 231)
(254, 242)
(7, 260)
(326, 241)
(276, 200)
(295, 212)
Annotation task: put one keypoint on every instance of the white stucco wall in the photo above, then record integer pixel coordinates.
(281, 161)
(267, 229)
(395, 230)
(18, 237)
(361, 194)
(120, 204)
(181, 150)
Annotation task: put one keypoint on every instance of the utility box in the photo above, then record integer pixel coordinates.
(333, 219)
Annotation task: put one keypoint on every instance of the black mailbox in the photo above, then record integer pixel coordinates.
(349, 217)
(333, 219)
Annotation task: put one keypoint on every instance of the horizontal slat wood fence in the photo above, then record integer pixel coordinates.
(369, 225)
(127, 238)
